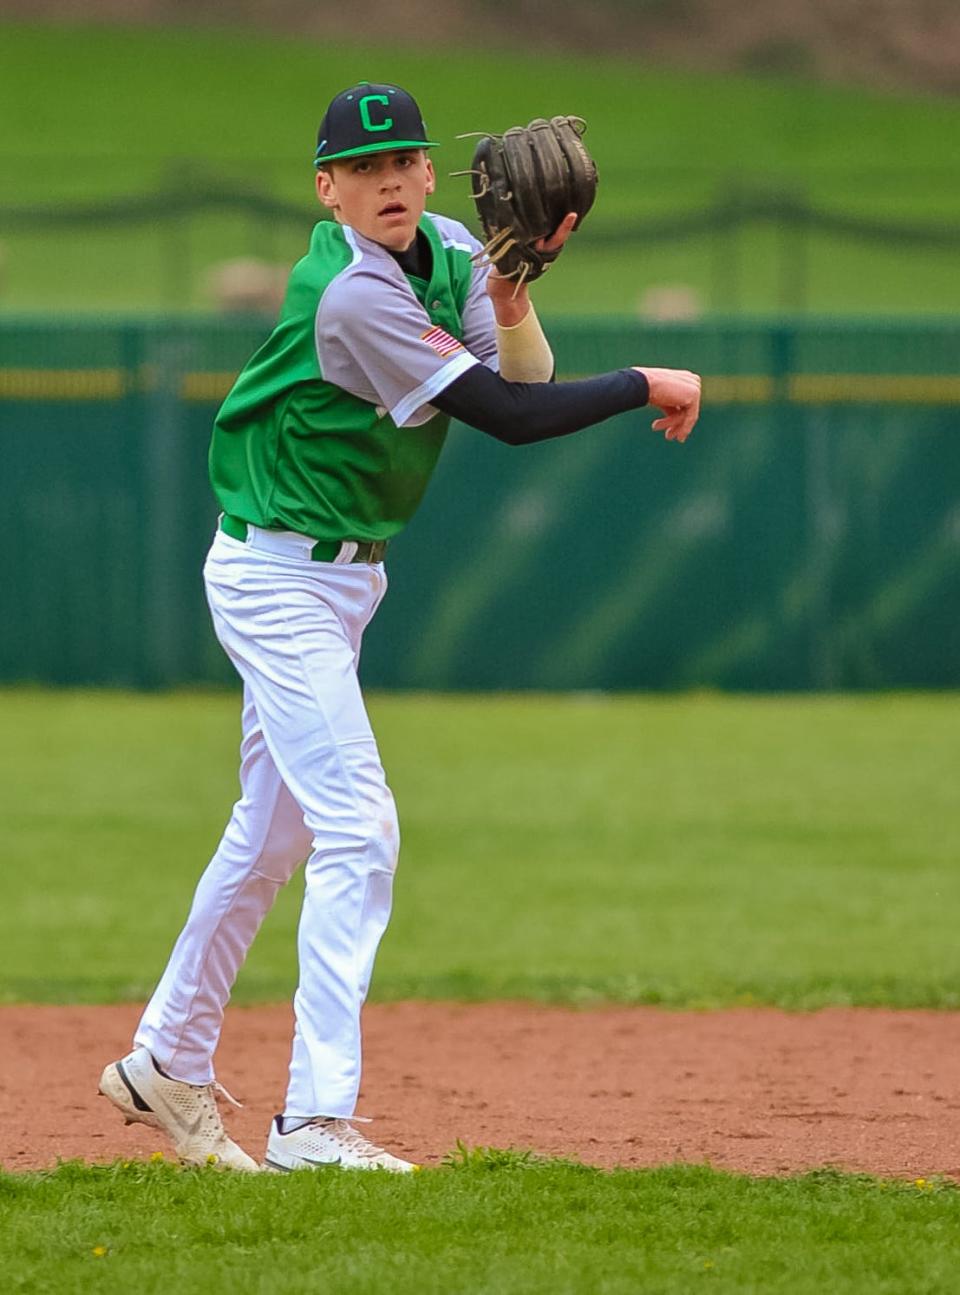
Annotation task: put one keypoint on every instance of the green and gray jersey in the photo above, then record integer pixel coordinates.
(329, 430)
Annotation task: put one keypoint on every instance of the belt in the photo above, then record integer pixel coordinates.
(338, 551)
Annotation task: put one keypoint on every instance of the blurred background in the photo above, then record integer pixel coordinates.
(779, 208)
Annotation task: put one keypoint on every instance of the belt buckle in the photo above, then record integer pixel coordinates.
(360, 551)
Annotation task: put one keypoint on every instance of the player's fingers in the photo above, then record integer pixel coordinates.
(673, 431)
(687, 423)
(672, 415)
(677, 424)
(559, 236)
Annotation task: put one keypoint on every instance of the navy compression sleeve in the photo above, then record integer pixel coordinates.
(520, 413)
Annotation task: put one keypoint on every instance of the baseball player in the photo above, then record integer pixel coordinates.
(320, 455)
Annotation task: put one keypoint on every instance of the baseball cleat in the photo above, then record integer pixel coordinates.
(325, 1143)
(186, 1113)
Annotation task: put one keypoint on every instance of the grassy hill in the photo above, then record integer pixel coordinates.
(92, 112)
(915, 46)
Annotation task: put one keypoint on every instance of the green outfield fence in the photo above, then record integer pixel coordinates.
(807, 537)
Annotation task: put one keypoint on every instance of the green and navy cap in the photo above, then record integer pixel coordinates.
(370, 118)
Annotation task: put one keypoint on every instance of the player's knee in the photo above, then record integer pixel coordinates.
(367, 842)
(387, 833)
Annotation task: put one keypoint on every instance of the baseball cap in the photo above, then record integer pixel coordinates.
(370, 118)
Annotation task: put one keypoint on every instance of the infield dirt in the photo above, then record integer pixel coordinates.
(751, 1089)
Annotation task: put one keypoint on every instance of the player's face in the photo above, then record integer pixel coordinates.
(381, 195)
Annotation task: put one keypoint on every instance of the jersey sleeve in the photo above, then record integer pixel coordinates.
(479, 322)
(376, 341)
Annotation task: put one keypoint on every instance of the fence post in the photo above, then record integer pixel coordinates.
(163, 492)
(133, 415)
(821, 510)
(816, 567)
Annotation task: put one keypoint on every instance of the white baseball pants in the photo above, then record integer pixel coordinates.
(312, 787)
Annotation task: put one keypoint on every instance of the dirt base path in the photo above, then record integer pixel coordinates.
(757, 1090)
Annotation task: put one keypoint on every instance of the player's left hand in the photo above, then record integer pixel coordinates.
(513, 302)
(551, 244)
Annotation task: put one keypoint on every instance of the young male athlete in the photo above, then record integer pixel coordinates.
(320, 454)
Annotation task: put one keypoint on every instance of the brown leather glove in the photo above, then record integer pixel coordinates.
(527, 180)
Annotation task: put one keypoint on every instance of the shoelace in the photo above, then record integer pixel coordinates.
(352, 1138)
(215, 1094)
(219, 1091)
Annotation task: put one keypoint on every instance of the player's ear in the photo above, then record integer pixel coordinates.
(327, 188)
(431, 176)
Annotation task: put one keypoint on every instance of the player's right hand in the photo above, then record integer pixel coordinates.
(677, 393)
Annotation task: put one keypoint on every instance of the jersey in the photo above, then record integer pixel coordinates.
(329, 430)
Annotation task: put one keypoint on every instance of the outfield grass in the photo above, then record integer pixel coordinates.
(243, 108)
(687, 850)
(495, 1224)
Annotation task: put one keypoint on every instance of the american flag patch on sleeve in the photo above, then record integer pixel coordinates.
(441, 342)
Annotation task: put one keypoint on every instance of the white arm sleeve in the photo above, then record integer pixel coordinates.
(525, 354)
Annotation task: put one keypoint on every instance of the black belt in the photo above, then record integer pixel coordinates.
(323, 550)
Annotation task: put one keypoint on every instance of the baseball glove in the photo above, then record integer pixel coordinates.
(529, 178)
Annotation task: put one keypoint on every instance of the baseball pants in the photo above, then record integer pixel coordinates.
(312, 787)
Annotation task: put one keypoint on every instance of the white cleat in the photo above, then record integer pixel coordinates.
(324, 1143)
(186, 1113)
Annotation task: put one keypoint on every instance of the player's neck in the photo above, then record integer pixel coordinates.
(417, 259)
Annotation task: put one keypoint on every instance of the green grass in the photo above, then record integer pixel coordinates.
(682, 850)
(92, 111)
(497, 1223)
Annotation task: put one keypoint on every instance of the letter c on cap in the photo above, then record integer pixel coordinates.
(365, 112)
